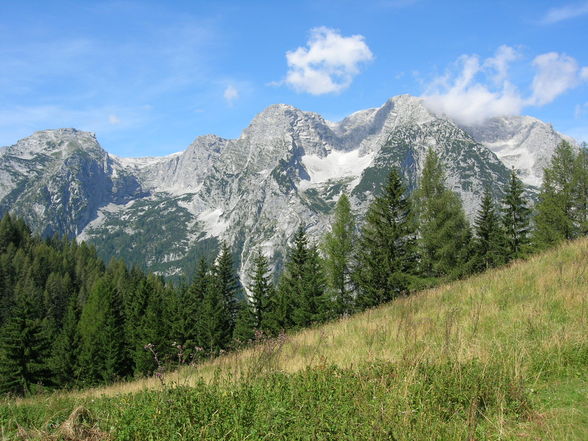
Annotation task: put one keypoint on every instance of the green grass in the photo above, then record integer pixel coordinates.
(500, 356)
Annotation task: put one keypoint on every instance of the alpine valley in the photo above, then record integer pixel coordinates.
(286, 169)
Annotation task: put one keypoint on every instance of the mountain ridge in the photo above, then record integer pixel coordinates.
(286, 169)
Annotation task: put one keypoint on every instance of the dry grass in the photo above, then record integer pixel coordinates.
(539, 304)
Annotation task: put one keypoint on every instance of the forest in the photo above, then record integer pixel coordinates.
(70, 320)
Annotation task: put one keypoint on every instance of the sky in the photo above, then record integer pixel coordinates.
(150, 76)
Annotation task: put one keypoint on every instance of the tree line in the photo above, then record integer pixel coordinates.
(67, 319)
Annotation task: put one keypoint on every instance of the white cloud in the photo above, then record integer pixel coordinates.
(556, 73)
(567, 12)
(470, 101)
(231, 94)
(328, 63)
(481, 90)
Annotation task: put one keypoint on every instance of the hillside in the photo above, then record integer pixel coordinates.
(503, 355)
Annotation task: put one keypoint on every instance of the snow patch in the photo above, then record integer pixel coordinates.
(212, 222)
(336, 165)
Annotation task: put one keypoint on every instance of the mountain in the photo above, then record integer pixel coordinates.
(522, 142)
(287, 168)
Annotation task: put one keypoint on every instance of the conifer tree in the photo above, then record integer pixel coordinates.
(302, 282)
(261, 290)
(244, 331)
(515, 218)
(227, 282)
(443, 228)
(489, 241)
(23, 343)
(338, 247)
(580, 192)
(278, 317)
(215, 327)
(554, 220)
(65, 350)
(102, 347)
(387, 247)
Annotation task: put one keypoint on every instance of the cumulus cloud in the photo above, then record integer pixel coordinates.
(556, 73)
(567, 12)
(231, 94)
(328, 63)
(476, 90)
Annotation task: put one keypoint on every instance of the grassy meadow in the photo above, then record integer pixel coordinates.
(499, 356)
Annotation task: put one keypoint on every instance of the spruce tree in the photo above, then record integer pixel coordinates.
(23, 343)
(261, 290)
(443, 228)
(227, 282)
(489, 241)
(215, 323)
(244, 331)
(580, 192)
(338, 247)
(65, 351)
(554, 220)
(102, 346)
(302, 282)
(515, 218)
(387, 247)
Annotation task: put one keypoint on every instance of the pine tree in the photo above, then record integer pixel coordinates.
(302, 282)
(489, 241)
(387, 247)
(261, 289)
(227, 282)
(443, 228)
(515, 218)
(215, 327)
(65, 350)
(338, 247)
(244, 331)
(278, 317)
(580, 192)
(23, 343)
(554, 219)
(102, 347)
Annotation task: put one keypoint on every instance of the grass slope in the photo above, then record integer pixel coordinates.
(499, 356)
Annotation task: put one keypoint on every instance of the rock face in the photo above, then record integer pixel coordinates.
(522, 142)
(288, 168)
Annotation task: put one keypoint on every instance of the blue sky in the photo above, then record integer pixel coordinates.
(150, 76)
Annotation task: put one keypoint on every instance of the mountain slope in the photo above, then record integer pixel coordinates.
(522, 142)
(287, 168)
(502, 355)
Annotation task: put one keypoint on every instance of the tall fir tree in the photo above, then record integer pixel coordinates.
(387, 248)
(261, 290)
(65, 350)
(302, 282)
(489, 241)
(102, 345)
(444, 231)
(23, 342)
(580, 192)
(215, 322)
(554, 219)
(244, 331)
(227, 282)
(516, 219)
(338, 247)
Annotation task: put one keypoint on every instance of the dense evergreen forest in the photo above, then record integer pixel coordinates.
(67, 319)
